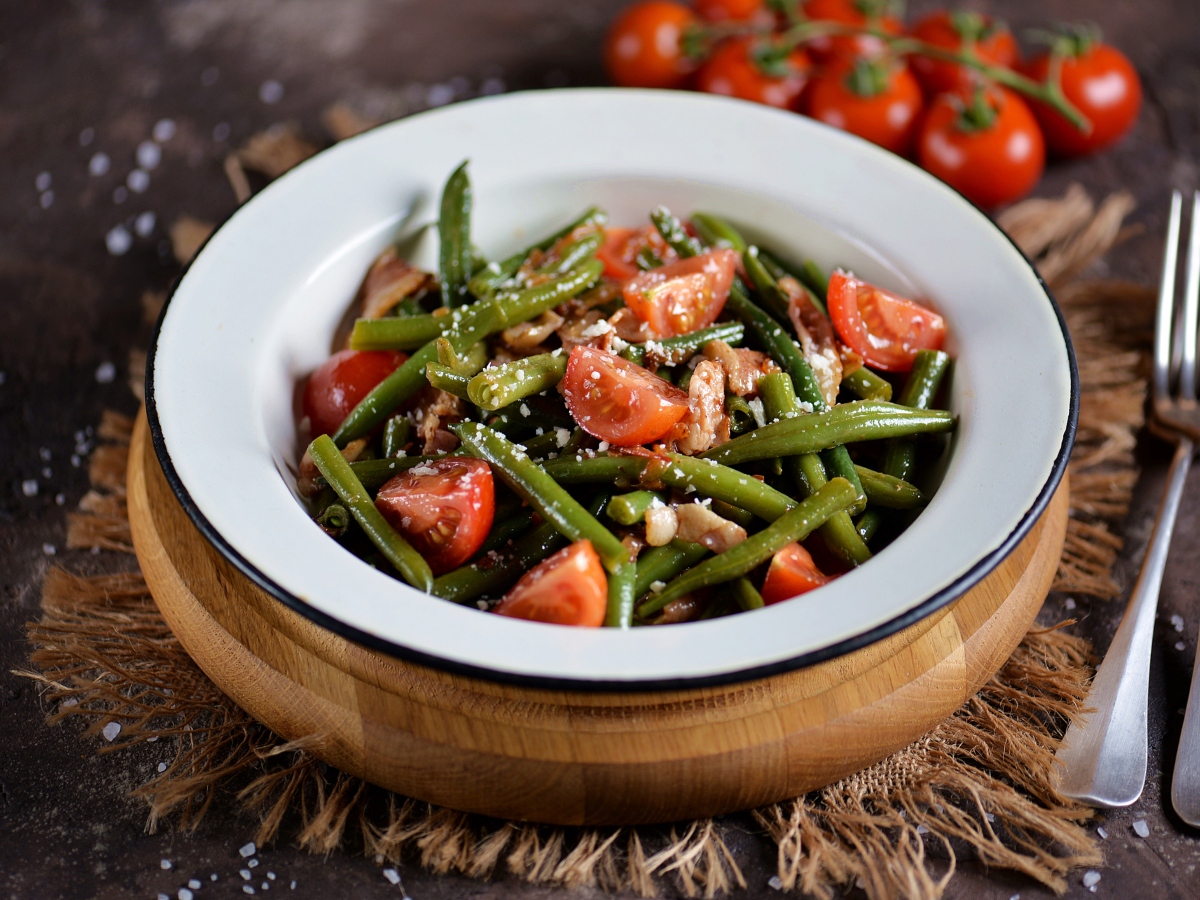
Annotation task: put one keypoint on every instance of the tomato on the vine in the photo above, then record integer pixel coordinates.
(878, 14)
(618, 401)
(341, 382)
(989, 146)
(1102, 84)
(730, 10)
(568, 588)
(754, 69)
(792, 572)
(443, 507)
(644, 47)
(879, 100)
(622, 246)
(885, 329)
(987, 38)
(685, 295)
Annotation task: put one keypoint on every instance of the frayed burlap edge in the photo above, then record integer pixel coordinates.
(980, 781)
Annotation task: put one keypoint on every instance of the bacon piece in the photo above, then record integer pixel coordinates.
(661, 525)
(818, 340)
(435, 410)
(742, 367)
(389, 280)
(700, 525)
(527, 337)
(682, 609)
(306, 474)
(705, 424)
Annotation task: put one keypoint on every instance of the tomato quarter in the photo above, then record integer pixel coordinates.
(751, 69)
(621, 247)
(643, 49)
(444, 508)
(990, 147)
(341, 382)
(880, 101)
(568, 588)
(685, 295)
(885, 329)
(791, 574)
(989, 39)
(618, 401)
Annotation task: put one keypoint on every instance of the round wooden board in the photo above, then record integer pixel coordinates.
(575, 757)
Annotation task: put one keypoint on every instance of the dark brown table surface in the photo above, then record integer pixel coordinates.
(68, 306)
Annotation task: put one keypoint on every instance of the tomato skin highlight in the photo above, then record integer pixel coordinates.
(444, 508)
(683, 296)
(338, 385)
(990, 166)
(847, 12)
(998, 47)
(642, 48)
(618, 401)
(568, 588)
(1103, 85)
(888, 119)
(622, 245)
(730, 10)
(732, 72)
(885, 329)
(792, 572)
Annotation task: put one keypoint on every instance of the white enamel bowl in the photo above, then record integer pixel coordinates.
(256, 311)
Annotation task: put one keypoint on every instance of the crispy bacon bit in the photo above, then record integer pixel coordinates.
(527, 337)
(573, 334)
(700, 525)
(602, 293)
(681, 609)
(629, 327)
(705, 424)
(633, 546)
(817, 338)
(742, 367)
(436, 410)
(389, 281)
(306, 475)
(661, 525)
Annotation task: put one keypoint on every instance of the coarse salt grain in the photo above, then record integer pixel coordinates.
(29, 487)
(46, 200)
(252, 863)
(148, 155)
(266, 886)
(292, 885)
(1140, 828)
(245, 873)
(138, 181)
(1177, 622)
(118, 241)
(164, 864)
(1069, 604)
(1103, 834)
(164, 130)
(213, 876)
(1180, 646)
(248, 850)
(46, 472)
(186, 894)
(492, 86)
(111, 730)
(60, 499)
(144, 224)
(1091, 878)
(439, 95)
(105, 373)
(162, 896)
(271, 91)
(99, 164)
(49, 549)
(775, 882)
(658, 586)
(921, 829)
(162, 767)
(271, 875)
(247, 889)
(392, 875)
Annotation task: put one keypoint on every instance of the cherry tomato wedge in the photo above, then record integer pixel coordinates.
(444, 508)
(885, 329)
(744, 68)
(568, 588)
(680, 297)
(791, 574)
(619, 401)
(341, 382)
(642, 48)
(621, 247)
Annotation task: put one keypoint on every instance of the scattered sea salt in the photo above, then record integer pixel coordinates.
(1091, 878)
(60, 499)
(1177, 622)
(111, 730)
(43, 181)
(266, 886)
(492, 86)
(47, 472)
(1100, 831)
(118, 241)
(775, 882)
(162, 767)
(29, 487)
(271, 875)
(1015, 897)
(138, 180)
(658, 586)
(271, 91)
(1140, 828)
(248, 850)
(162, 896)
(439, 95)
(144, 224)
(164, 864)
(148, 155)
(482, 604)
(46, 200)
(213, 876)
(45, 455)
(292, 885)
(164, 130)
(185, 894)
(392, 875)
(99, 164)
(921, 829)
(245, 873)
(1069, 604)
(105, 373)
(75, 460)
(247, 889)
(50, 550)
(252, 863)
(756, 410)
(1180, 646)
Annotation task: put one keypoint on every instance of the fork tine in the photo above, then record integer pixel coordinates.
(1163, 347)
(1191, 307)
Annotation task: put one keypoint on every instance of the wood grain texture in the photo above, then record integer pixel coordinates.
(566, 757)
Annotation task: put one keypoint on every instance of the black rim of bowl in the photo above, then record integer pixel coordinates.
(926, 607)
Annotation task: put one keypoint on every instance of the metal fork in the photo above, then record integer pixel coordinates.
(1103, 756)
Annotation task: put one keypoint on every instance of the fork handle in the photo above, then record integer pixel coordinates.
(1185, 783)
(1104, 754)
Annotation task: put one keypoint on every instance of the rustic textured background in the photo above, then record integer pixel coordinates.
(68, 306)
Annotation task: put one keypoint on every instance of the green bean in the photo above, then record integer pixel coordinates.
(492, 575)
(861, 420)
(866, 385)
(741, 417)
(341, 478)
(795, 525)
(541, 445)
(663, 563)
(467, 363)
(466, 327)
(629, 509)
(684, 473)
(888, 491)
(621, 597)
(743, 517)
(808, 472)
(333, 520)
(396, 333)
(775, 300)
(808, 276)
(574, 254)
(507, 528)
(448, 380)
(396, 433)
(674, 233)
(498, 386)
(647, 259)
(493, 275)
(375, 473)
(455, 257)
(815, 280)
(540, 491)
(746, 595)
(716, 232)
(673, 351)
(838, 464)
(546, 412)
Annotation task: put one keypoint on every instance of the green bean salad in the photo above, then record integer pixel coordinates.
(621, 426)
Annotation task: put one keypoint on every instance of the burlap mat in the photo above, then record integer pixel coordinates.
(977, 785)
